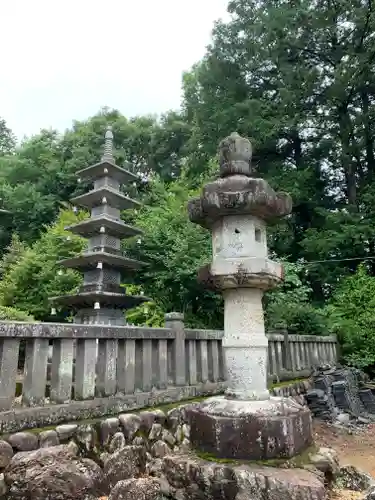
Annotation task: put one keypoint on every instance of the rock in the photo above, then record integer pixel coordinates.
(131, 424)
(354, 479)
(66, 431)
(145, 488)
(48, 438)
(108, 428)
(117, 442)
(52, 473)
(86, 437)
(179, 434)
(343, 418)
(188, 477)
(160, 449)
(139, 441)
(177, 415)
(148, 418)
(370, 494)
(23, 441)
(6, 453)
(155, 432)
(184, 446)
(326, 461)
(124, 464)
(186, 430)
(3, 486)
(168, 437)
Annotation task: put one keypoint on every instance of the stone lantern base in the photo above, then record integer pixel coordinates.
(250, 430)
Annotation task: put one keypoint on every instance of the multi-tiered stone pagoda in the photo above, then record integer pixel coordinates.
(101, 299)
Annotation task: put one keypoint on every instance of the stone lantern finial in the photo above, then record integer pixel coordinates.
(108, 145)
(235, 156)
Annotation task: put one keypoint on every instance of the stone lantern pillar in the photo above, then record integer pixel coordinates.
(246, 423)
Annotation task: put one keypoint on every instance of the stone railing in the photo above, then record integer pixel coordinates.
(70, 371)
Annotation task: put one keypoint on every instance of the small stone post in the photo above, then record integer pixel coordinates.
(175, 321)
(246, 423)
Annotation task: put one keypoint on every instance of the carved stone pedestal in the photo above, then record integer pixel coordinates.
(250, 430)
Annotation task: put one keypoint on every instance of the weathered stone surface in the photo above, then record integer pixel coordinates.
(131, 424)
(179, 435)
(250, 430)
(354, 479)
(124, 464)
(148, 418)
(139, 441)
(6, 453)
(178, 415)
(326, 461)
(23, 441)
(48, 438)
(86, 437)
(155, 432)
(160, 449)
(108, 428)
(145, 488)
(3, 486)
(189, 477)
(66, 431)
(370, 494)
(52, 473)
(168, 437)
(117, 442)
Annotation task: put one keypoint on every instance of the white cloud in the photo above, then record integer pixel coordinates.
(64, 60)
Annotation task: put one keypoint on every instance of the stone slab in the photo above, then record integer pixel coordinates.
(250, 430)
(190, 477)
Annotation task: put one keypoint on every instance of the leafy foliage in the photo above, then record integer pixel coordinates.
(30, 273)
(352, 317)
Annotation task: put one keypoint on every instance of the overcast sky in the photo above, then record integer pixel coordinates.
(64, 60)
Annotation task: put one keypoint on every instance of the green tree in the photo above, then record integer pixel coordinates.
(351, 314)
(30, 273)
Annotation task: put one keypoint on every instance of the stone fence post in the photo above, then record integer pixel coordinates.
(175, 321)
(286, 351)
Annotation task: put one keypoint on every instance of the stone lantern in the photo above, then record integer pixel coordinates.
(246, 423)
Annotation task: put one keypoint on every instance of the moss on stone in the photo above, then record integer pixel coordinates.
(299, 461)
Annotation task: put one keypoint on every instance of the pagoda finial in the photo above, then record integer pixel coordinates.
(108, 146)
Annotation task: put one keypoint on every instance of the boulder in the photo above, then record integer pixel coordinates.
(160, 449)
(48, 438)
(126, 463)
(354, 479)
(6, 453)
(131, 424)
(108, 428)
(52, 473)
(326, 461)
(66, 431)
(155, 432)
(145, 488)
(117, 442)
(23, 441)
(188, 476)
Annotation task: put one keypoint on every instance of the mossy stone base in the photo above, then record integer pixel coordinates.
(250, 430)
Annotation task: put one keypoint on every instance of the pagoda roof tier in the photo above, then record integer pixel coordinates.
(114, 227)
(114, 199)
(106, 168)
(89, 260)
(105, 299)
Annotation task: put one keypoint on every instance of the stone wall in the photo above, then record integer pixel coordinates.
(102, 446)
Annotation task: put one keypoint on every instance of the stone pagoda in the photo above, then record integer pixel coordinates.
(101, 299)
(246, 423)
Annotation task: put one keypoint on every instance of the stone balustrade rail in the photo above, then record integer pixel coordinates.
(68, 372)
